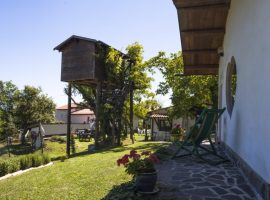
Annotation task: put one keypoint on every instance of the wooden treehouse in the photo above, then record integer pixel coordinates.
(83, 62)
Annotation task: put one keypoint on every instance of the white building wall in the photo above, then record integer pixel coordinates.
(247, 38)
(61, 116)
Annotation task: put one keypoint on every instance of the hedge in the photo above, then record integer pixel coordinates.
(23, 162)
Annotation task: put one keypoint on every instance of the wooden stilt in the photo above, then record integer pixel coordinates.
(68, 121)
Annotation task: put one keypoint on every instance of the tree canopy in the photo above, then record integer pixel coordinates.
(187, 91)
(22, 109)
(122, 76)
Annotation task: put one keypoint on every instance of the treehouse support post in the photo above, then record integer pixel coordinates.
(131, 112)
(98, 96)
(68, 120)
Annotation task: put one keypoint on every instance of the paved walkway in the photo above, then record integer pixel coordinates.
(190, 178)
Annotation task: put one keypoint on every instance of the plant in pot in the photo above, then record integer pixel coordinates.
(142, 168)
(177, 133)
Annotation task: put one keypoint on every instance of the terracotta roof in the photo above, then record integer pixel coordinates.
(158, 116)
(65, 107)
(83, 112)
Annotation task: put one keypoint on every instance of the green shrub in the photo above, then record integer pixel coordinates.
(13, 165)
(25, 162)
(46, 158)
(37, 160)
(63, 158)
(3, 168)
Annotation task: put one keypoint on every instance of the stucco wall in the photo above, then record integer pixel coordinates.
(247, 38)
(61, 116)
(60, 129)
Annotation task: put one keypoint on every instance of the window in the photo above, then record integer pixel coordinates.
(164, 125)
(231, 82)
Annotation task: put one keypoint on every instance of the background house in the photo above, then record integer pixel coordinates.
(161, 125)
(78, 115)
(232, 39)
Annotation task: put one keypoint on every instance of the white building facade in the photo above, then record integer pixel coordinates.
(247, 131)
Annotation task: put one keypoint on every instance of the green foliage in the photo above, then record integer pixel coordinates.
(46, 158)
(7, 109)
(187, 91)
(21, 109)
(13, 165)
(138, 163)
(3, 168)
(25, 162)
(121, 76)
(33, 107)
(37, 160)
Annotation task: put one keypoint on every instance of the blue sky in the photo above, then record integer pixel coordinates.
(30, 30)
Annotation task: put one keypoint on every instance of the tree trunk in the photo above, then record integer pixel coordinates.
(131, 113)
(97, 132)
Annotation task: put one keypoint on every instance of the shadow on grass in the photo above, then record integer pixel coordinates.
(154, 146)
(121, 192)
(17, 149)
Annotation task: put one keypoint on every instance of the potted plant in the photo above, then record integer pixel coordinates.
(142, 168)
(177, 133)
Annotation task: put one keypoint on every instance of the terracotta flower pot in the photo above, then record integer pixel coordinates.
(146, 182)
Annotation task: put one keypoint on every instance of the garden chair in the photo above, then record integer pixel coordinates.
(201, 131)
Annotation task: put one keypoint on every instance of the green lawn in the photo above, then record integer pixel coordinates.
(90, 176)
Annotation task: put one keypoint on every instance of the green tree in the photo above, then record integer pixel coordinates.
(187, 91)
(7, 109)
(115, 92)
(32, 107)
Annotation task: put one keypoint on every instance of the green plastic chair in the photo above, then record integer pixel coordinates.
(201, 131)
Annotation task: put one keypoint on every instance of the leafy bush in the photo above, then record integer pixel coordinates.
(13, 165)
(46, 158)
(59, 139)
(37, 160)
(25, 162)
(3, 168)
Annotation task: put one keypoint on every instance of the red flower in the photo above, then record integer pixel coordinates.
(119, 161)
(143, 162)
(132, 153)
(153, 158)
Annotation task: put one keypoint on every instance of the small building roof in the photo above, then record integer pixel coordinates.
(83, 112)
(159, 116)
(76, 110)
(202, 29)
(65, 107)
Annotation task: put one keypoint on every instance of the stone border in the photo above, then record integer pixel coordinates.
(23, 171)
(261, 187)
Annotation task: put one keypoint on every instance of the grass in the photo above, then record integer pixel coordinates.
(90, 176)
